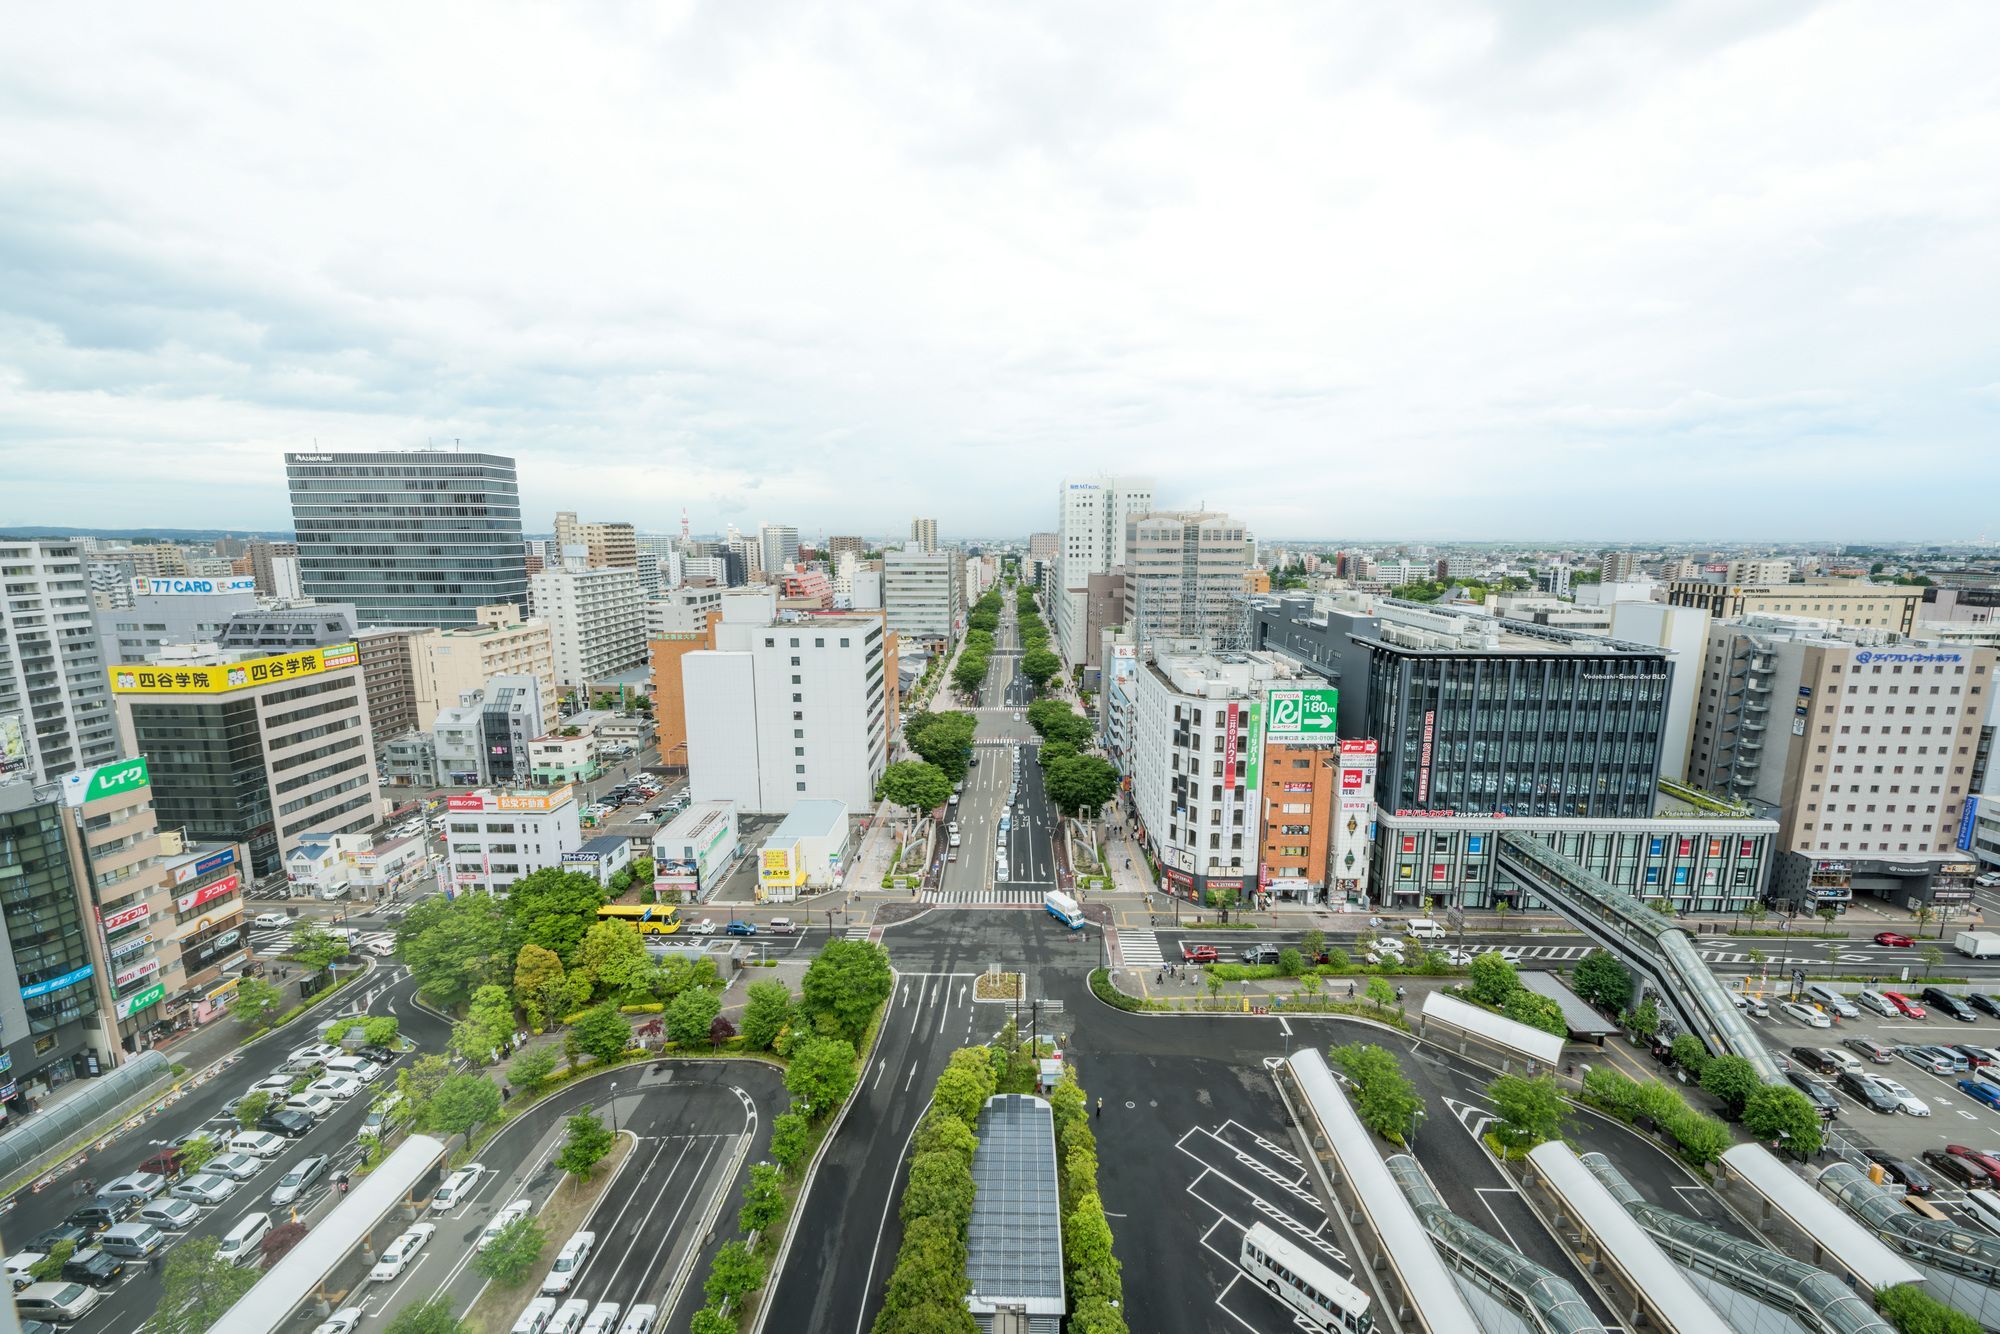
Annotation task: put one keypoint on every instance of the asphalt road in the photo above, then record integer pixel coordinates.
(697, 1126)
(388, 990)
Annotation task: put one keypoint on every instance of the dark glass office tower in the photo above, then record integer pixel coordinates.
(422, 537)
(49, 1031)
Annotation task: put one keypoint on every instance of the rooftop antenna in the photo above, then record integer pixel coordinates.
(684, 523)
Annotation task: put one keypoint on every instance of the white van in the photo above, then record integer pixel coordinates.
(640, 1320)
(240, 1245)
(132, 1241)
(257, 1143)
(1423, 928)
(58, 1303)
(1984, 1207)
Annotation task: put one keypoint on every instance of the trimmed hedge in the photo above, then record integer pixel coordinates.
(928, 1287)
(1699, 1137)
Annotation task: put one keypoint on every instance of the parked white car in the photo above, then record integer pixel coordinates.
(1912, 1104)
(401, 1251)
(569, 1261)
(271, 919)
(514, 1212)
(1805, 1014)
(704, 927)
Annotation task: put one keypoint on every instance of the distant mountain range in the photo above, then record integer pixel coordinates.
(134, 534)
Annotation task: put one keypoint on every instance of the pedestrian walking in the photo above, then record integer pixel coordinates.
(1100, 1107)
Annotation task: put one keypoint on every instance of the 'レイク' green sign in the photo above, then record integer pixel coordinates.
(108, 781)
(139, 1000)
(1295, 717)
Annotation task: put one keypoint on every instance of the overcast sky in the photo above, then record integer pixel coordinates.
(1550, 268)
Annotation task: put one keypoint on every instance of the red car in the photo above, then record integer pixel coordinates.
(1199, 953)
(1986, 1161)
(1909, 1008)
(1893, 938)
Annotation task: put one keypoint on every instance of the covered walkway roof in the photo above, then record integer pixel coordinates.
(1497, 1029)
(1582, 1020)
(1843, 1242)
(270, 1305)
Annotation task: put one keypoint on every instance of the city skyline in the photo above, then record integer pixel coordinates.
(1440, 271)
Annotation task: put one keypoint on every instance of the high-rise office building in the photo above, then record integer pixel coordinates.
(921, 592)
(49, 1013)
(161, 613)
(422, 537)
(268, 569)
(55, 715)
(778, 546)
(1184, 579)
(924, 533)
(1854, 602)
(1093, 515)
(255, 751)
(389, 678)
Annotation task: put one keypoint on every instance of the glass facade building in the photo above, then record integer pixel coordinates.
(409, 537)
(48, 998)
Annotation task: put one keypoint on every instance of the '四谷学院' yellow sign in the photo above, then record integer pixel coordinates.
(131, 679)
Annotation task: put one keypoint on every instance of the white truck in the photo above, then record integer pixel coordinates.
(1064, 909)
(1978, 944)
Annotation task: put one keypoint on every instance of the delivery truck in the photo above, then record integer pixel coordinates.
(1978, 944)
(1064, 909)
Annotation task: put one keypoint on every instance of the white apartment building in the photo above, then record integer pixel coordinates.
(1195, 752)
(493, 838)
(1092, 517)
(777, 546)
(782, 710)
(1758, 572)
(924, 533)
(681, 611)
(447, 663)
(55, 713)
(921, 591)
(597, 618)
(1184, 578)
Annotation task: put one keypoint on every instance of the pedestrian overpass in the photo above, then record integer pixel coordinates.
(1650, 945)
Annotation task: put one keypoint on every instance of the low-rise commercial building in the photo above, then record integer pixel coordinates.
(807, 851)
(1854, 602)
(447, 663)
(563, 759)
(356, 866)
(493, 838)
(692, 855)
(487, 738)
(604, 856)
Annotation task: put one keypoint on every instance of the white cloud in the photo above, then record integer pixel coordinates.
(1438, 269)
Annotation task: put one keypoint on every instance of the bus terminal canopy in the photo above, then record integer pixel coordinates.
(268, 1307)
(1494, 1029)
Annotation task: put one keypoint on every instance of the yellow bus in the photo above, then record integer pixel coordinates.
(652, 919)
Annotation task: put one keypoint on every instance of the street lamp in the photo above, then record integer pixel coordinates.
(614, 1108)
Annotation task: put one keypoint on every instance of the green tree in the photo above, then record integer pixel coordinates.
(462, 1102)
(1525, 1007)
(509, 1257)
(426, 1317)
(454, 946)
(535, 971)
(820, 1073)
(690, 1013)
(1492, 978)
(711, 1320)
(766, 1011)
(967, 1082)
(734, 1271)
(197, 1151)
(763, 1198)
(255, 1002)
(586, 1140)
(252, 1108)
(913, 785)
(1385, 1100)
(1313, 944)
(845, 984)
(315, 947)
(1914, 1311)
(1932, 957)
(1602, 980)
(49, 1268)
(419, 1082)
(1689, 1054)
(1779, 1111)
(969, 673)
(1530, 1110)
(1290, 962)
(614, 959)
(1055, 721)
(1038, 665)
(789, 1138)
(1644, 1021)
(531, 1069)
(486, 1027)
(1081, 784)
(1730, 1080)
(200, 1286)
(1380, 993)
(381, 1030)
(943, 740)
(553, 908)
(600, 1033)
(1089, 1265)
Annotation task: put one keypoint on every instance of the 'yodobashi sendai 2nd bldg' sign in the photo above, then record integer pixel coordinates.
(1301, 717)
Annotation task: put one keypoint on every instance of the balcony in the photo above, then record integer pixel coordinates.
(1758, 685)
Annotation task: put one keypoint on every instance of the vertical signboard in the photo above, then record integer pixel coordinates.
(1354, 810)
(1966, 821)
(1424, 757)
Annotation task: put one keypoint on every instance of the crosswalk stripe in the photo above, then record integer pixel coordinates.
(1141, 949)
(1016, 896)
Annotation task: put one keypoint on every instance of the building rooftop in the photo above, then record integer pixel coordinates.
(1013, 1251)
(818, 817)
(604, 845)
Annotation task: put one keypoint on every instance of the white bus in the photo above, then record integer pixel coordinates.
(1983, 1207)
(1302, 1282)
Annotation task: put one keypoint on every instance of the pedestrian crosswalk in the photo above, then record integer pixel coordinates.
(1019, 897)
(857, 931)
(1571, 953)
(1141, 949)
(270, 940)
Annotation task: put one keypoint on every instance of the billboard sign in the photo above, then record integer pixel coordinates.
(1301, 717)
(208, 893)
(13, 743)
(34, 989)
(139, 1000)
(241, 583)
(1361, 746)
(107, 781)
(220, 679)
(469, 801)
(215, 861)
(1966, 820)
(138, 970)
(138, 912)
